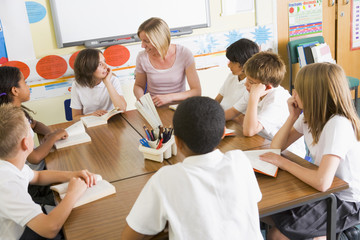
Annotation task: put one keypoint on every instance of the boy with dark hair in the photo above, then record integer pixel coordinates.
(20, 217)
(210, 195)
(233, 88)
(266, 108)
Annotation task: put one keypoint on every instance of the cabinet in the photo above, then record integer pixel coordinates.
(336, 32)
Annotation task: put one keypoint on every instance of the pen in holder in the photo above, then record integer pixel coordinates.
(159, 145)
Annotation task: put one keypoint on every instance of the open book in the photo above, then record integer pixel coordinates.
(92, 121)
(261, 166)
(102, 189)
(229, 132)
(76, 134)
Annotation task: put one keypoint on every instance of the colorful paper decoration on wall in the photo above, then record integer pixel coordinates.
(51, 67)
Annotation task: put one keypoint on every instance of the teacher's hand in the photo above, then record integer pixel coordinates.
(160, 100)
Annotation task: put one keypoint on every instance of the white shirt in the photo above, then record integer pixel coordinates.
(272, 113)
(92, 99)
(232, 90)
(17, 207)
(337, 138)
(210, 196)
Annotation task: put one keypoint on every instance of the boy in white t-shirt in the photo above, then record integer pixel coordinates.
(234, 86)
(20, 216)
(266, 107)
(210, 195)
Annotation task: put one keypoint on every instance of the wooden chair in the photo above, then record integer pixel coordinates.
(294, 58)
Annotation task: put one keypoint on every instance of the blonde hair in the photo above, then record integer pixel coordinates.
(267, 67)
(324, 92)
(158, 33)
(13, 128)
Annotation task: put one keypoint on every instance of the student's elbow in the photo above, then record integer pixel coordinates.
(35, 157)
(323, 186)
(249, 132)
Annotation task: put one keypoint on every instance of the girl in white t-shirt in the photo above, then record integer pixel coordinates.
(331, 128)
(95, 90)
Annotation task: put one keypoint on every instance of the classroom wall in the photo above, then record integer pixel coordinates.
(51, 110)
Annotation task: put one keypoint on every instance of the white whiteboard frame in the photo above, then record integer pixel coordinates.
(67, 16)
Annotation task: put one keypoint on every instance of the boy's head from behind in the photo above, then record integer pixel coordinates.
(241, 50)
(266, 67)
(199, 123)
(13, 128)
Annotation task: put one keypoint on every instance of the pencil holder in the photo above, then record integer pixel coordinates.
(166, 151)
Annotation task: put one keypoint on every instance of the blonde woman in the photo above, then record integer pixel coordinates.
(162, 67)
(331, 129)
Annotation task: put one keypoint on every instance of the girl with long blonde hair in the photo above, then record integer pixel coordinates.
(322, 111)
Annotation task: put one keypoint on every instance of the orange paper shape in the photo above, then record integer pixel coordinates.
(51, 67)
(72, 59)
(116, 55)
(20, 65)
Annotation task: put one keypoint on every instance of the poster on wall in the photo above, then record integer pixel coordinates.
(3, 54)
(355, 24)
(305, 19)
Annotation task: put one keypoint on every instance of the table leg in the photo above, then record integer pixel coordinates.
(331, 217)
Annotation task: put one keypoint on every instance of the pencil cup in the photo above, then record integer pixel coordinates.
(166, 151)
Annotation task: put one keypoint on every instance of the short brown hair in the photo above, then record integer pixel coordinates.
(86, 63)
(13, 128)
(158, 33)
(267, 67)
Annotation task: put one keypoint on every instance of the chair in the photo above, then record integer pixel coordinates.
(294, 58)
(68, 112)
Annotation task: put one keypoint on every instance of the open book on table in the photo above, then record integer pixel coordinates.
(92, 121)
(102, 189)
(229, 132)
(76, 135)
(261, 166)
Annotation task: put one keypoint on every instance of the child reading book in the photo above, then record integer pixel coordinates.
(322, 111)
(20, 217)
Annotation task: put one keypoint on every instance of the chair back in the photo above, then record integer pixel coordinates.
(68, 112)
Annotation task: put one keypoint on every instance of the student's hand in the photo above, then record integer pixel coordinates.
(57, 134)
(273, 158)
(160, 100)
(259, 90)
(294, 109)
(77, 187)
(108, 75)
(87, 176)
(99, 112)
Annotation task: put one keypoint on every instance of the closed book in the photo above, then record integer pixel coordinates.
(102, 189)
(301, 52)
(76, 135)
(322, 53)
(308, 55)
(261, 166)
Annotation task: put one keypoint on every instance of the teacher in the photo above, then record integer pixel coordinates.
(162, 67)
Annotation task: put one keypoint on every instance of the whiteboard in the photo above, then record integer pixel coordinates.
(80, 21)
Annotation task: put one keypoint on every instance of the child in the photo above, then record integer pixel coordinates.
(13, 89)
(210, 195)
(95, 90)
(266, 106)
(331, 129)
(233, 88)
(19, 215)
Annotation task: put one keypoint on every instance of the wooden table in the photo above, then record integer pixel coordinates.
(105, 218)
(113, 152)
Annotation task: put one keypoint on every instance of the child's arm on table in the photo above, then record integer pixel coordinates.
(49, 225)
(231, 113)
(117, 100)
(45, 146)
